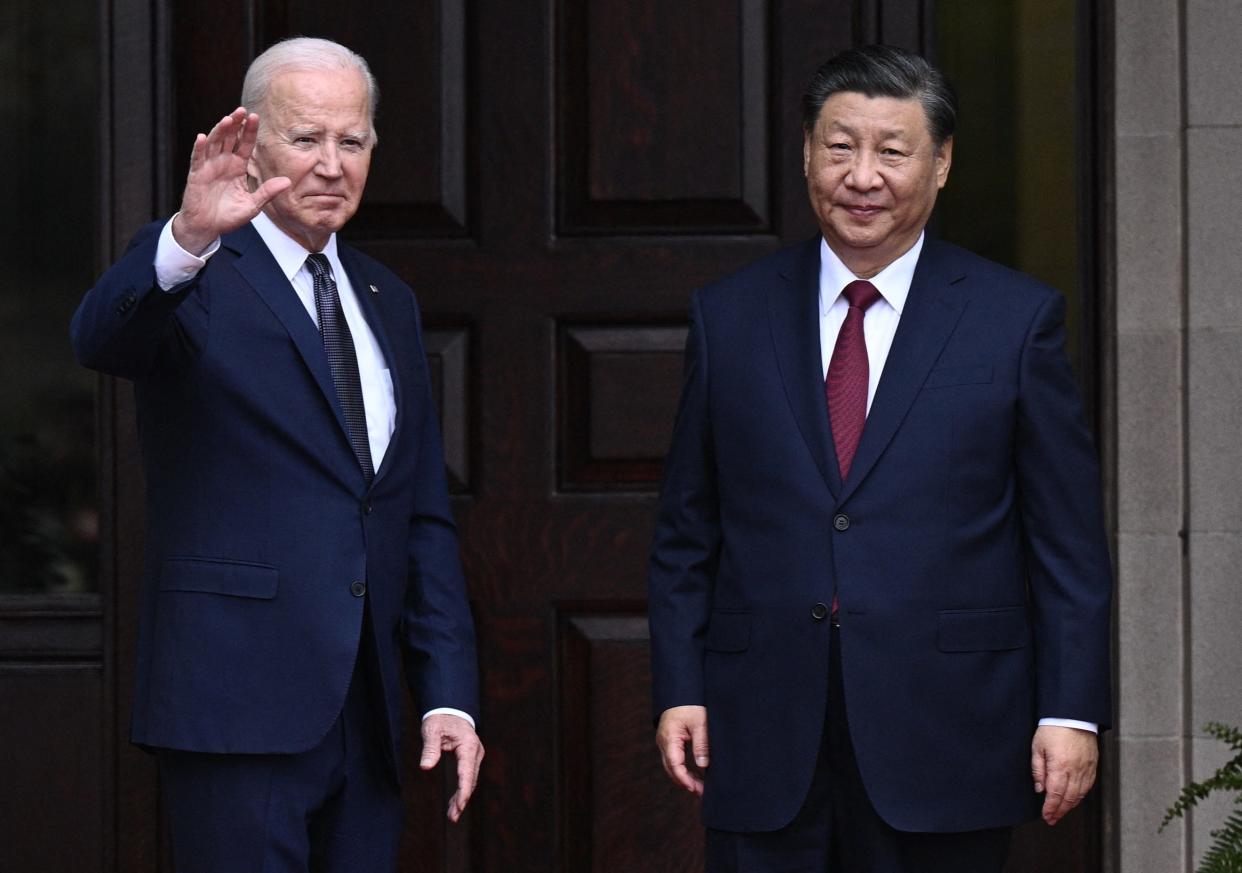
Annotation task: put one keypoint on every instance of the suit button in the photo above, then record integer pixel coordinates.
(841, 522)
(367, 506)
(819, 612)
(357, 588)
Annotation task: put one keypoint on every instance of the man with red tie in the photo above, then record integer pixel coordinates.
(879, 585)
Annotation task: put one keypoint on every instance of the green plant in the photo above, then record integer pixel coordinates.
(1225, 853)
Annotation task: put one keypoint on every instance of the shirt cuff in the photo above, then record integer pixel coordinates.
(448, 710)
(173, 264)
(1071, 723)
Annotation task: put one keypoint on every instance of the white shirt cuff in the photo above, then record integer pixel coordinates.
(173, 264)
(1071, 723)
(448, 710)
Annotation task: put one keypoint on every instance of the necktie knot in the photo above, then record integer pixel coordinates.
(860, 294)
(318, 265)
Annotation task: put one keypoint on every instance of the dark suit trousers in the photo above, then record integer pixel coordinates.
(838, 831)
(333, 809)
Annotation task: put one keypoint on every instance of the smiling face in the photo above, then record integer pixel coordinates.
(316, 130)
(872, 172)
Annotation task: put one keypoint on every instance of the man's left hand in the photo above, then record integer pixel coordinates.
(451, 733)
(1063, 764)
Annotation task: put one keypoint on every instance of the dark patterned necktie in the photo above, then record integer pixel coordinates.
(848, 375)
(339, 344)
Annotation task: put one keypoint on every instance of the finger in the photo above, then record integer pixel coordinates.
(699, 744)
(268, 190)
(467, 775)
(1054, 800)
(223, 136)
(687, 780)
(677, 769)
(432, 739)
(239, 117)
(1038, 769)
(198, 152)
(248, 135)
(673, 757)
(215, 136)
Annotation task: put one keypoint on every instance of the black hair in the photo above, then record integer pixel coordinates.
(884, 71)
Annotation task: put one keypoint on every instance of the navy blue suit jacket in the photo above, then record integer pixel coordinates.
(259, 519)
(967, 546)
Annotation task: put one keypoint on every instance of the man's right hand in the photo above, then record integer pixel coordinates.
(678, 726)
(217, 198)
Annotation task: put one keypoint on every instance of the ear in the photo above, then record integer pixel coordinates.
(806, 152)
(944, 159)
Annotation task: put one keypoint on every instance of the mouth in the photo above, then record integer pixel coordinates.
(862, 210)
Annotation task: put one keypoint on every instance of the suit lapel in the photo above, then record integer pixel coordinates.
(368, 296)
(793, 313)
(260, 270)
(931, 313)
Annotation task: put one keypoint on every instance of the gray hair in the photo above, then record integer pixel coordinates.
(884, 71)
(304, 53)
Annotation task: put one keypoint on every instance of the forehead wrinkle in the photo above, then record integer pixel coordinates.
(882, 134)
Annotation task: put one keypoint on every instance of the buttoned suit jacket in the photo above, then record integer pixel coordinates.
(259, 520)
(966, 546)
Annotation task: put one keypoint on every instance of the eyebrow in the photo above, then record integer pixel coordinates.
(892, 133)
(305, 129)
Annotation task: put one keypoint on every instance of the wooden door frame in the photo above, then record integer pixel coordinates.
(134, 155)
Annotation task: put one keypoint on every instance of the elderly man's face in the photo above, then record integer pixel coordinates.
(315, 129)
(873, 172)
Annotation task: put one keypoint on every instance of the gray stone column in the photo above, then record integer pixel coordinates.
(1177, 403)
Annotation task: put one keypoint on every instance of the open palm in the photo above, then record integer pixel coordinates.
(217, 198)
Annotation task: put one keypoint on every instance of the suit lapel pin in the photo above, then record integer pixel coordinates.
(374, 290)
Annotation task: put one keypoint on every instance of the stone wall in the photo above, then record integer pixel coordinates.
(1175, 328)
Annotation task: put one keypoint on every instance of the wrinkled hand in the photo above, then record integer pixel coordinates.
(217, 199)
(450, 733)
(678, 726)
(1063, 765)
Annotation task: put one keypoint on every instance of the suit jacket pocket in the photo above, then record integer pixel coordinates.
(219, 576)
(979, 374)
(728, 632)
(983, 630)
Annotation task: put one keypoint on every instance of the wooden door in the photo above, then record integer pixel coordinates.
(553, 179)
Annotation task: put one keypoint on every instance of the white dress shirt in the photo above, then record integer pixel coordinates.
(174, 265)
(879, 328)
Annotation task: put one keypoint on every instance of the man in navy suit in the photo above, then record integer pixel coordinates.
(299, 539)
(879, 585)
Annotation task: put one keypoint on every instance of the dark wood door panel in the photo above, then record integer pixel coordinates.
(611, 814)
(663, 117)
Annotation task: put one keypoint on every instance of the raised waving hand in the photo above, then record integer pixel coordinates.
(217, 198)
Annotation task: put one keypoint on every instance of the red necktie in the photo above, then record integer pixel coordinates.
(846, 385)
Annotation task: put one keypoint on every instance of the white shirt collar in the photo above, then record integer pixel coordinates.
(288, 252)
(893, 282)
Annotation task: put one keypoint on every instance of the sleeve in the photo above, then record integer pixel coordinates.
(437, 628)
(173, 264)
(1069, 569)
(682, 567)
(125, 322)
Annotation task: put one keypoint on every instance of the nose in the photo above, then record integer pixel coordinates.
(329, 165)
(863, 174)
